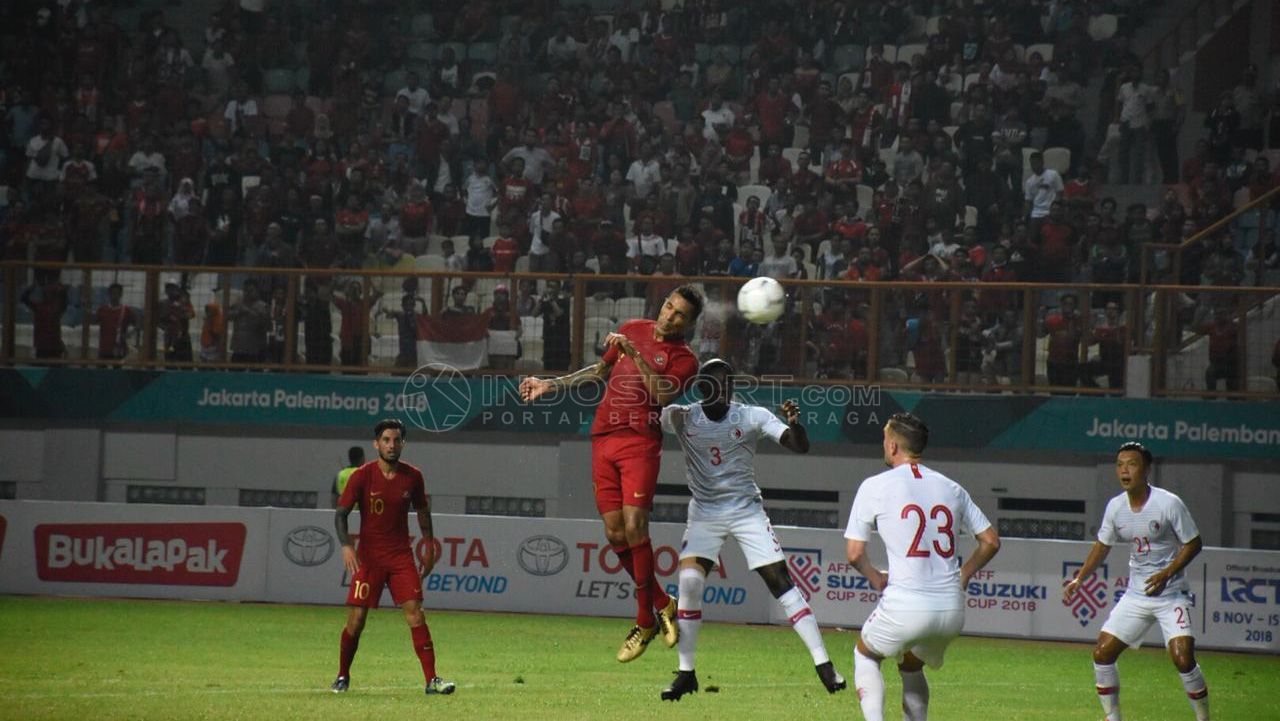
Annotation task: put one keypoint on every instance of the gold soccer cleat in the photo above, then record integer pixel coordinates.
(667, 625)
(637, 641)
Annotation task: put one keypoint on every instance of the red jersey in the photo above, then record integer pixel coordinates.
(505, 252)
(415, 219)
(113, 322)
(626, 402)
(384, 508)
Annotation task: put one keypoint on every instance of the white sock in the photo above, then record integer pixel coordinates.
(870, 685)
(803, 621)
(689, 614)
(915, 696)
(1108, 680)
(1197, 692)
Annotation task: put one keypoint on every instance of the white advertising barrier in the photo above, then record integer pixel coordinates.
(507, 564)
(143, 551)
(1235, 592)
(563, 566)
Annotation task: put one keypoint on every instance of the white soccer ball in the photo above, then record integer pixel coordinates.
(761, 300)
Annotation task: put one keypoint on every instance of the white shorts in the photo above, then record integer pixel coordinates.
(750, 527)
(926, 634)
(1134, 614)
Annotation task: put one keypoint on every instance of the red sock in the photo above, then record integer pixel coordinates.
(426, 652)
(647, 590)
(624, 559)
(348, 648)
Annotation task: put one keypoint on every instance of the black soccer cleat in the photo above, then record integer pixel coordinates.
(685, 682)
(832, 680)
(340, 684)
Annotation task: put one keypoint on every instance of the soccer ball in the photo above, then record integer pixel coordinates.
(761, 300)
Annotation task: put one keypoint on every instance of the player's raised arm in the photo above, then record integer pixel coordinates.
(532, 388)
(1096, 556)
(1157, 581)
(795, 438)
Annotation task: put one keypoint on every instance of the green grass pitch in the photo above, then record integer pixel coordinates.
(106, 659)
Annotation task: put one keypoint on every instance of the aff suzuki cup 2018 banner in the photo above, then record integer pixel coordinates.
(560, 566)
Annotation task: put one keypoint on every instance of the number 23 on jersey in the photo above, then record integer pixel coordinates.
(943, 530)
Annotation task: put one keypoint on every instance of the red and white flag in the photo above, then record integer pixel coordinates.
(458, 340)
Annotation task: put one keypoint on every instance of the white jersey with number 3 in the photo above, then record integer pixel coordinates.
(720, 455)
(921, 516)
(1155, 532)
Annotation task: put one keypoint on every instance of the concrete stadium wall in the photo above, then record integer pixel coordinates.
(99, 464)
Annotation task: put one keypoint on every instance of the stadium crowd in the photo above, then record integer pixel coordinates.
(883, 140)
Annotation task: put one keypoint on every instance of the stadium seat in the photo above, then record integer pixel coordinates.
(890, 54)
(629, 308)
(594, 331)
(950, 130)
(531, 327)
(970, 80)
(1102, 27)
(1057, 158)
(908, 52)
(1260, 384)
(1045, 50)
(970, 216)
(848, 57)
(732, 53)
(525, 363)
(393, 81)
(792, 155)
(761, 191)
(824, 247)
(482, 55)
(957, 107)
(954, 83)
(933, 25)
(424, 25)
(854, 78)
(894, 375)
(279, 81)
(429, 262)
(423, 51)
(522, 264)
(865, 194)
(600, 307)
(459, 51)
(702, 53)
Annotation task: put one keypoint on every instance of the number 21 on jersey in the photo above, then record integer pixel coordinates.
(943, 530)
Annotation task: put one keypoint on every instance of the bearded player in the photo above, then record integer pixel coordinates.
(1162, 539)
(920, 515)
(646, 365)
(384, 490)
(719, 439)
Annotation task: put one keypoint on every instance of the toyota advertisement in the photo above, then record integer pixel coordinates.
(563, 566)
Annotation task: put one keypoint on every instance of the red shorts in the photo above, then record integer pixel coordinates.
(624, 469)
(399, 573)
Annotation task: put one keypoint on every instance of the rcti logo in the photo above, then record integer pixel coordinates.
(805, 565)
(1091, 598)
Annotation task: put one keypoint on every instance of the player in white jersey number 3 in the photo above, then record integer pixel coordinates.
(719, 440)
(1162, 540)
(920, 515)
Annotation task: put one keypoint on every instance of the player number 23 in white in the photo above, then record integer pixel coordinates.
(944, 529)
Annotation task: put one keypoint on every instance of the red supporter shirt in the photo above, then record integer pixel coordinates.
(415, 219)
(1056, 240)
(505, 252)
(384, 508)
(111, 320)
(626, 402)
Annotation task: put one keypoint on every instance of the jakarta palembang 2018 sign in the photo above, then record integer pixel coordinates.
(444, 401)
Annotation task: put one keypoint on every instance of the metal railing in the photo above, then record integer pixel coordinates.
(993, 337)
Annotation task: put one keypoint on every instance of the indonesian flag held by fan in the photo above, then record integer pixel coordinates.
(459, 340)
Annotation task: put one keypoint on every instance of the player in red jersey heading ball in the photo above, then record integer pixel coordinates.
(384, 490)
(647, 365)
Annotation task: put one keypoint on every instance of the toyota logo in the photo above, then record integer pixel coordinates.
(543, 555)
(308, 546)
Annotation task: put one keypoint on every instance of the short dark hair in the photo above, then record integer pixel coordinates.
(693, 297)
(1136, 447)
(912, 431)
(388, 423)
(355, 455)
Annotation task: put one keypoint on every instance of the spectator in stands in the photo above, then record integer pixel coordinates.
(317, 322)
(554, 306)
(1065, 328)
(174, 318)
(114, 320)
(1040, 190)
(1224, 351)
(251, 321)
(47, 301)
(1002, 349)
(45, 151)
(353, 335)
